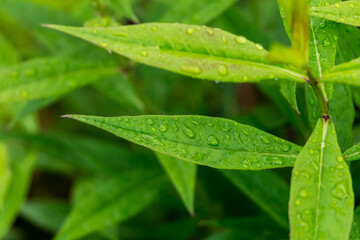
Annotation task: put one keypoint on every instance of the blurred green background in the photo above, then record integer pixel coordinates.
(55, 162)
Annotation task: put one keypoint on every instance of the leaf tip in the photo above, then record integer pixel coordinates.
(68, 116)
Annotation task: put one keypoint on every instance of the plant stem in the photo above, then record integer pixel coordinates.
(320, 96)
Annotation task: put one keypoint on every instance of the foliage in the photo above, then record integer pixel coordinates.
(283, 74)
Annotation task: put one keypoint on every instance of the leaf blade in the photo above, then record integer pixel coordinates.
(321, 179)
(206, 141)
(199, 52)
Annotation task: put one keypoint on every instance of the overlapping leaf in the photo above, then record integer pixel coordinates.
(214, 142)
(183, 176)
(196, 12)
(355, 230)
(5, 174)
(18, 187)
(321, 195)
(273, 200)
(195, 51)
(346, 73)
(40, 78)
(110, 201)
(347, 12)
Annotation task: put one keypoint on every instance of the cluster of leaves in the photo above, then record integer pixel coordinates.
(69, 181)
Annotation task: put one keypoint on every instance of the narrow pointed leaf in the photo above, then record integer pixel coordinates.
(40, 78)
(214, 142)
(347, 73)
(46, 214)
(355, 230)
(272, 199)
(321, 195)
(17, 190)
(110, 201)
(199, 52)
(352, 153)
(183, 176)
(347, 12)
(124, 8)
(196, 12)
(5, 174)
(288, 90)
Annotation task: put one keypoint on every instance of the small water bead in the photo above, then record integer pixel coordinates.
(326, 42)
(222, 69)
(258, 46)
(104, 44)
(245, 132)
(340, 167)
(311, 151)
(297, 202)
(144, 53)
(154, 29)
(212, 140)
(352, 5)
(264, 139)
(337, 5)
(150, 121)
(240, 39)
(189, 133)
(210, 32)
(286, 148)
(303, 193)
(191, 69)
(224, 39)
(190, 31)
(163, 128)
(340, 190)
(339, 158)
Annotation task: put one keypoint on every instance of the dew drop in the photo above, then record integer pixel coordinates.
(212, 140)
(311, 151)
(303, 193)
(189, 133)
(144, 53)
(240, 39)
(297, 202)
(339, 158)
(163, 128)
(245, 132)
(154, 29)
(190, 31)
(224, 39)
(264, 139)
(104, 45)
(340, 190)
(210, 32)
(340, 166)
(150, 121)
(337, 5)
(258, 46)
(351, 5)
(286, 148)
(326, 42)
(222, 69)
(191, 69)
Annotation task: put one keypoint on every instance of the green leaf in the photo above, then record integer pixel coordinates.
(213, 142)
(124, 8)
(352, 153)
(17, 190)
(347, 12)
(347, 73)
(196, 12)
(355, 230)
(272, 199)
(109, 201)
(321, 195)
(8, 53)
(288, 90)
(41, 78)
(120, 91)
(183, 176)
(199, 52)
(46, 214)
(5, 174)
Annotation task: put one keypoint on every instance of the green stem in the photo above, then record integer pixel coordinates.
(320, 96)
